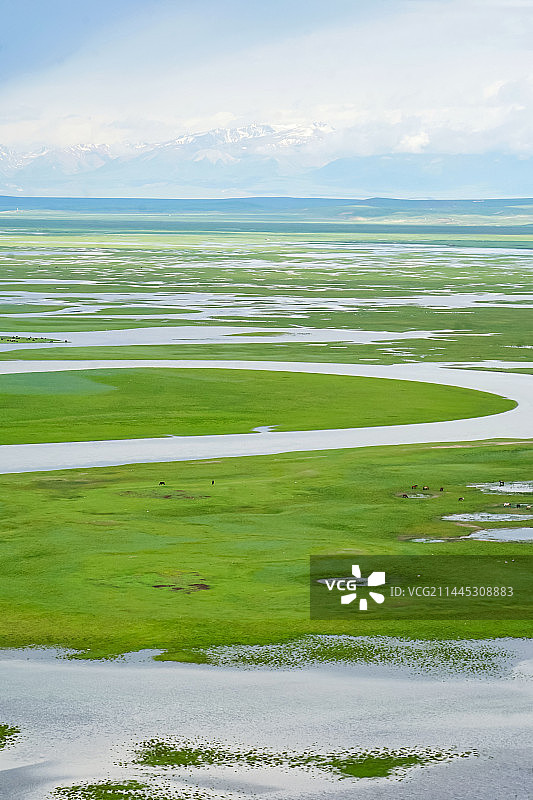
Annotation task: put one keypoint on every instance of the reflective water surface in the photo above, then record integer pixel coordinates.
(79, 720)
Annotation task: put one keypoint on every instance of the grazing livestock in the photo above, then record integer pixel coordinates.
(212, 483)
(405, 495)
(425, 488)
(162, 483)
(414, 486)
(441, 489)
(461, 498)
(502, 483)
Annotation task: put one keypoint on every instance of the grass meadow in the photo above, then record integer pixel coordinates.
(106, 560)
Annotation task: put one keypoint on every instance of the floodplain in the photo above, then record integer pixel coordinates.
(138, 584)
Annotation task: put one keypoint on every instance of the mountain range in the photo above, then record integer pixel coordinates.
(306, 161)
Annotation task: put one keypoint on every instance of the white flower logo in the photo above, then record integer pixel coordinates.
(374, 579)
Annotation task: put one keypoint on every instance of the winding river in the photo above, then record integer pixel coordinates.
(79, 721)
(516, 423)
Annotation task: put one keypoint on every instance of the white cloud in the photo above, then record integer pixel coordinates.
(416, 143)
(435, 76)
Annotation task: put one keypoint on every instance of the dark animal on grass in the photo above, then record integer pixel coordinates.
(405, 495)
(502, 483)
(162, 483)
(212, 483)
(461, 498)
(441, 489)
(425, 488)
(414, 486)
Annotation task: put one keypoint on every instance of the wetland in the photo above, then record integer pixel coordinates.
(287, 384)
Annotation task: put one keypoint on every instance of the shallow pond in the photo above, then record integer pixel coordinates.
(489, 535)
(84, 722)
(503, 535)
(512, 487)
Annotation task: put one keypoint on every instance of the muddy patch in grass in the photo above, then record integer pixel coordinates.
(187, 589)
(176, 494)
(416, 496)
(186, 582)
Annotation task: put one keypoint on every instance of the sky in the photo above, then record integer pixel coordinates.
(388, 76)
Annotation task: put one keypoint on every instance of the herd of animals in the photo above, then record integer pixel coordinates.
(441, 489)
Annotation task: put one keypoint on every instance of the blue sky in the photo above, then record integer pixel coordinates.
(36, 34)
(451, 76)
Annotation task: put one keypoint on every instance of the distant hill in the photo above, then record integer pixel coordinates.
(376, 215)
(474, 175)
(263, 160)
(371, 208)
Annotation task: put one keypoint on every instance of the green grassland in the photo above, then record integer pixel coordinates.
(448, 348)
(107, 561)
(255, 263)
(8, 734)
(121, 404)
(474, 334)
(166, 755)
(13, 339)
(250, 276)
(134, 230)
(379, 763)
(110, 790)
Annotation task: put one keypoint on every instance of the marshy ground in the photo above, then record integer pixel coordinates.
(207, 561)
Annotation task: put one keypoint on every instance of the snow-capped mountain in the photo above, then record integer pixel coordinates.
(58, 163)
(310, 160)
(11, 161)
(234, 159)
